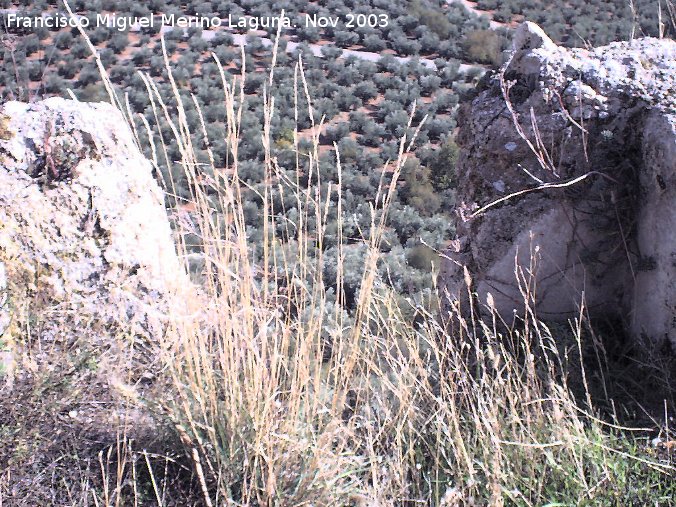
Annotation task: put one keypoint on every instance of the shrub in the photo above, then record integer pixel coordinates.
(68, 68)
(35, 71)
(99, 34)
(443, 174)
(346, 39)
(88, 75)
(374, 43)
(31, 44)
(365, 90)
(118, 42)
(483, 46)
(54, 84)
(431, 18)
(141, 57)
(419, 192)
(63, 40)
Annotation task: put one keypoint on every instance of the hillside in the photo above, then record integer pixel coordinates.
(345, 266)
(363, 101)
(363, 105)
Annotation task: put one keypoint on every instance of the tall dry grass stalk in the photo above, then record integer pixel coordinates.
(394, 412)
(449, 410)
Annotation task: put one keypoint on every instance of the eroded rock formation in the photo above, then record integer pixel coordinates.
(85, 243)
(586, 139)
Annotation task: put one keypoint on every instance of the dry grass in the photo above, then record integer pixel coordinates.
(285, 397)
(281, 395)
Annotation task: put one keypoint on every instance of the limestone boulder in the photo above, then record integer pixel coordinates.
(567, 185)
(86, 247)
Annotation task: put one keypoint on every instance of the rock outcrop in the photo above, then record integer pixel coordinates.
(85, 243)
(567, 177)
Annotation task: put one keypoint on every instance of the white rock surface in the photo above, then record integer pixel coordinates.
(84, 238)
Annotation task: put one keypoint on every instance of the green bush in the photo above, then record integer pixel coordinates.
(443, 173)
(483, 46)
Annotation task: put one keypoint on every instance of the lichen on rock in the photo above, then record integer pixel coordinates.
(604, 119)
(5, 133)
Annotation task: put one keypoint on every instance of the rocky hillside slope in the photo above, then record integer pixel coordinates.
(567, 185)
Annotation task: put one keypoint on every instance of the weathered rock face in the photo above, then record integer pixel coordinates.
(596, 154)
(83, 230)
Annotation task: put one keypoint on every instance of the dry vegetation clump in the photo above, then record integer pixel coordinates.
(280, 395)
(284, 397)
